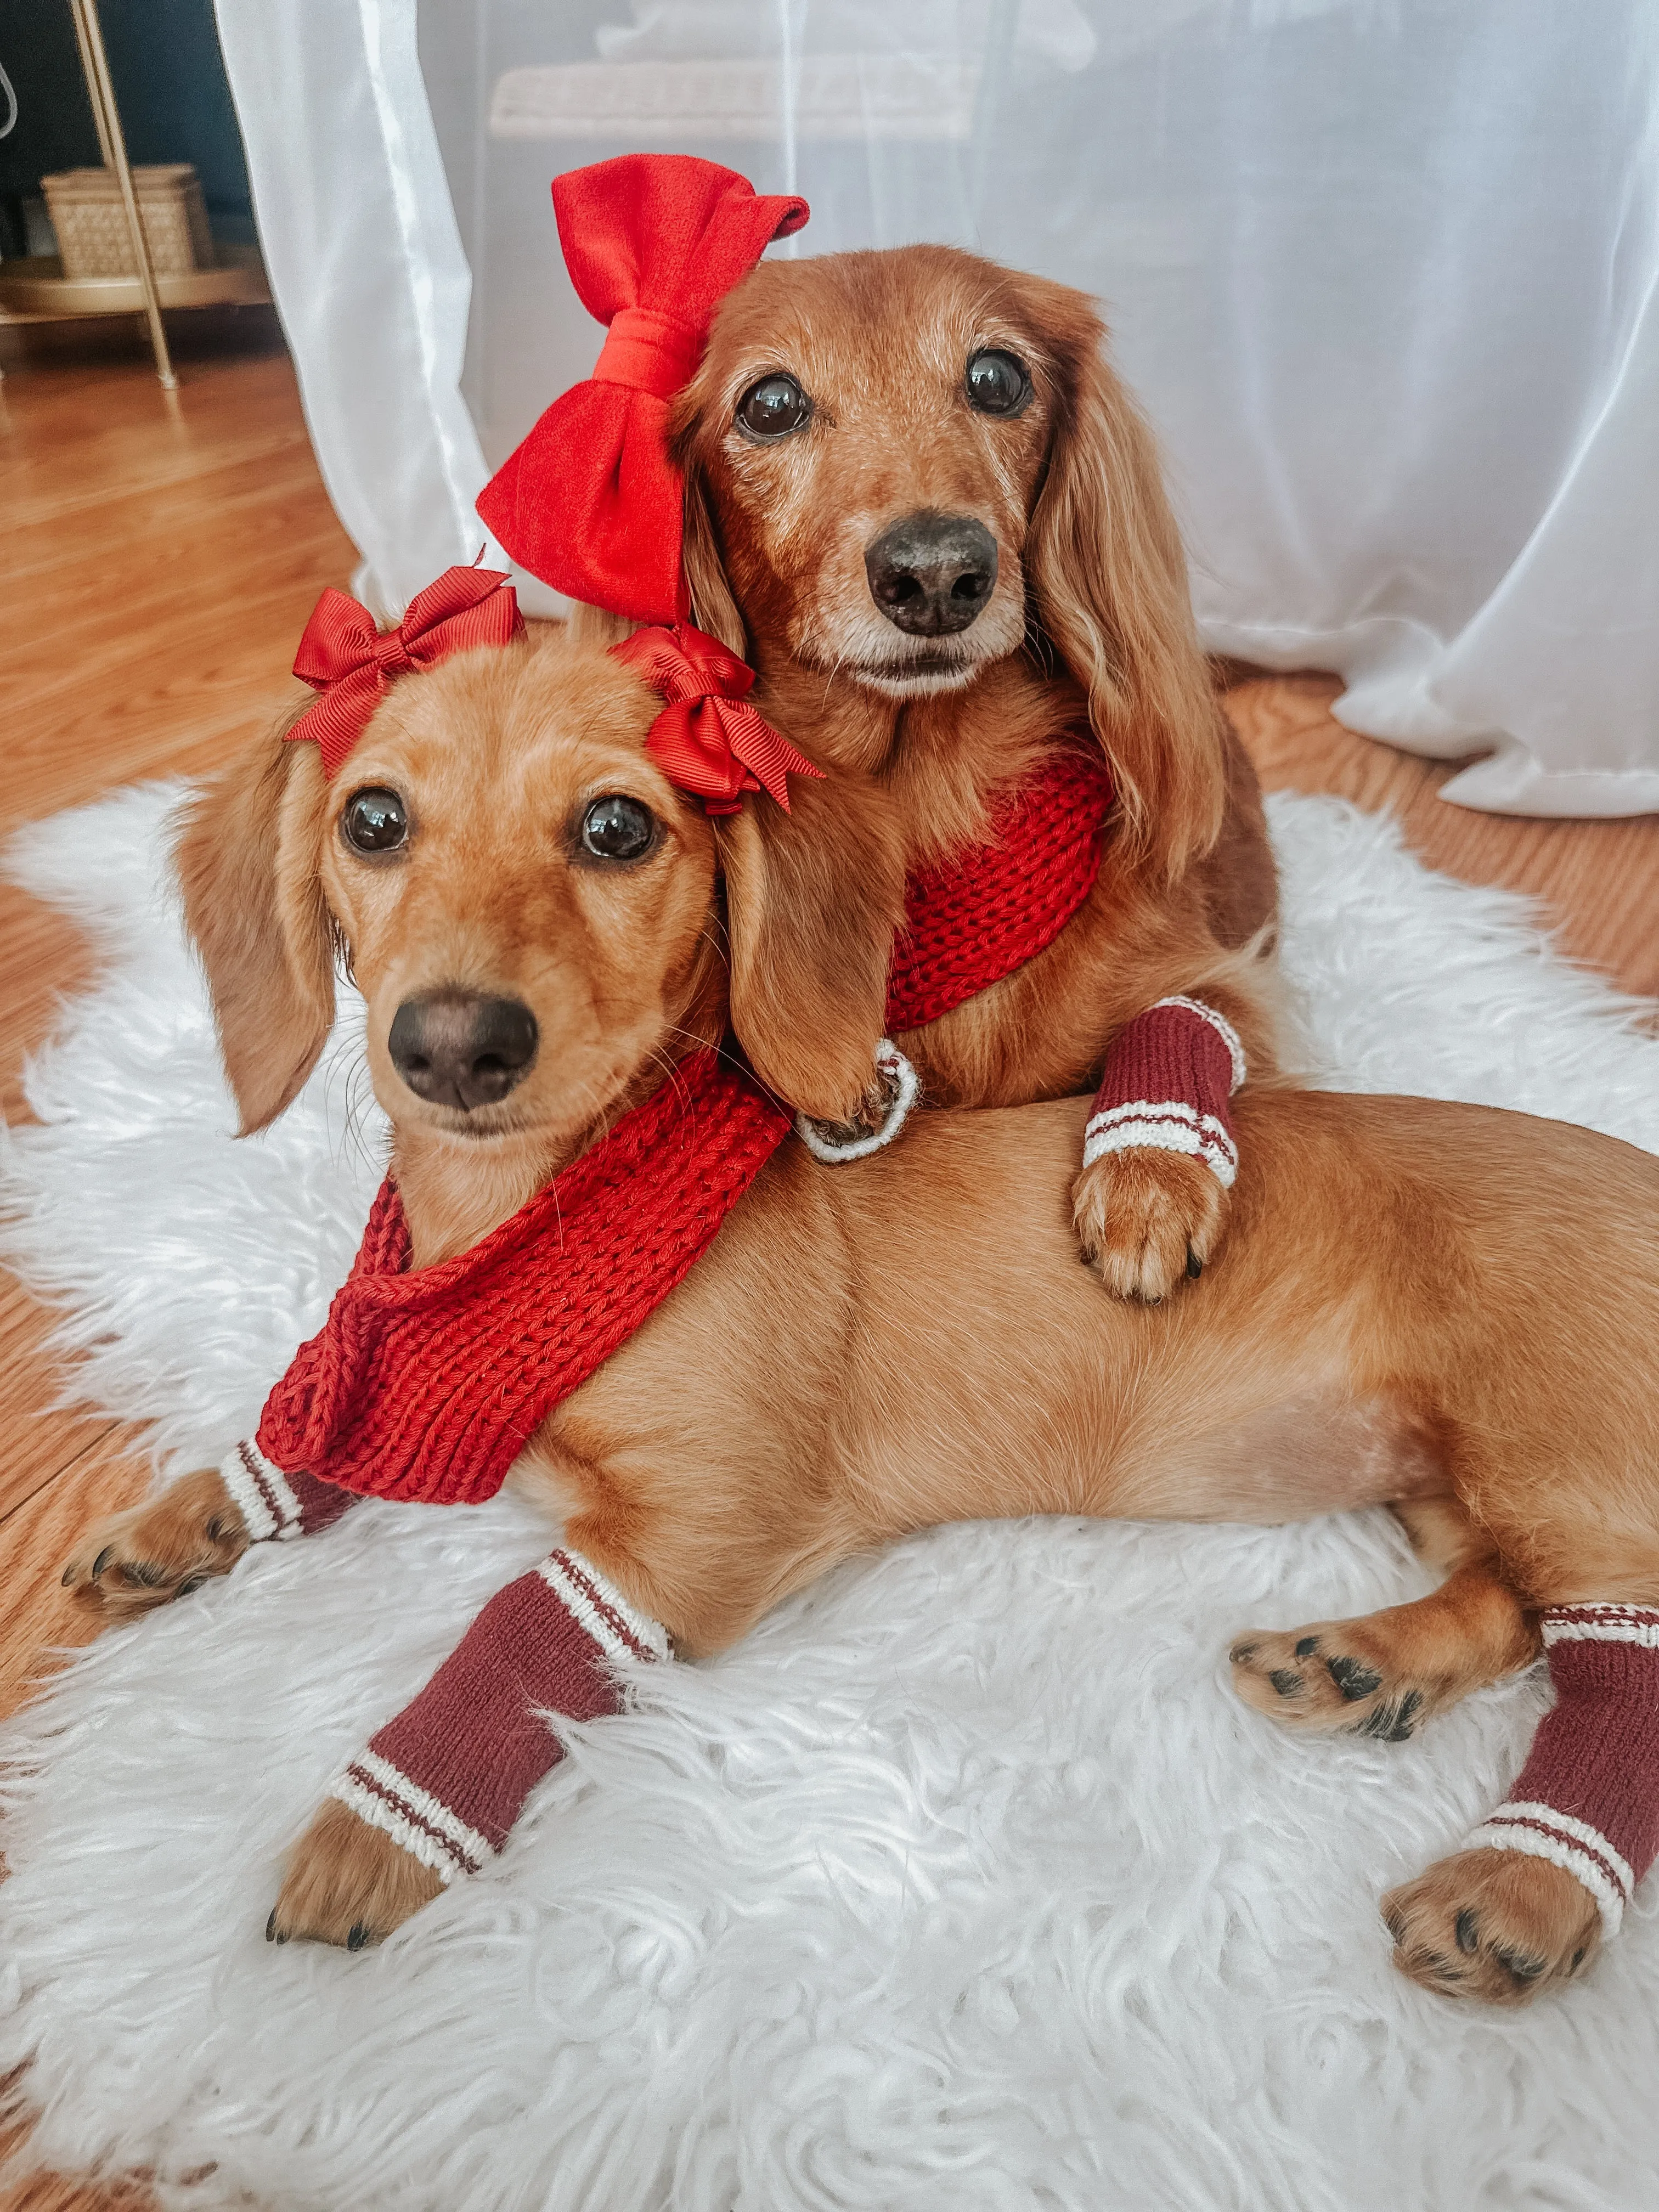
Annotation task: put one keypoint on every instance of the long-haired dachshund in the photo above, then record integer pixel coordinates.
(1446, 1308)
(921, 503)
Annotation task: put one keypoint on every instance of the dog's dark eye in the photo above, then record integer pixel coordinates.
(773, 407)
(616, 828)
(375, 821)
(997, 383)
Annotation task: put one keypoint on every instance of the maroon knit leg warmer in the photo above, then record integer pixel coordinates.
(1167, 1078)
(448, 1776)
(275, 1505)
(1588, 1797)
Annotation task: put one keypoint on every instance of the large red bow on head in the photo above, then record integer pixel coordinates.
(590, 503)
(708, 738)
(344, 657)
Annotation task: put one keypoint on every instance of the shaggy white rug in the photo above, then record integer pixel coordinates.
(964, 1883)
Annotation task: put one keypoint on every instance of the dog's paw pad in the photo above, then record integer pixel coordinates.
(1306, 1678)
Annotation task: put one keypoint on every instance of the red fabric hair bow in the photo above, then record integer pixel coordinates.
(344, 657)
(708, 738)
(590, 503)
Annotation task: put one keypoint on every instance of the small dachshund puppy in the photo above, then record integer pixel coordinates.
(921, 504)
(1447, 1309)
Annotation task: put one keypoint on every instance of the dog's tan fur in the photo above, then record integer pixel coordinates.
(1090, 624)
(1446, 1307)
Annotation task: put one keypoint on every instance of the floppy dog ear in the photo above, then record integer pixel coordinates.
(714, 608)
(246, 856)
(1109, 580)
(813, 899)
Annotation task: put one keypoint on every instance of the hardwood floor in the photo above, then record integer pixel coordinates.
(161, 554)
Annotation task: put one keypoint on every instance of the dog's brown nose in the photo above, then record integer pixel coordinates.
(456, 1048)
(932, 574)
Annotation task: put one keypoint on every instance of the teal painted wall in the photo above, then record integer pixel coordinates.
(169, 85)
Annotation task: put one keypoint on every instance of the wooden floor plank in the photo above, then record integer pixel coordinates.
(1599, 880)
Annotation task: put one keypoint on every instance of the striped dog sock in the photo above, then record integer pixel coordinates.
(1588, 1797)
(1167, 1078)
(275, 1506)
(448, 1776)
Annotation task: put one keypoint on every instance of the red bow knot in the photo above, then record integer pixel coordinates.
(591, 502)
(342, 655)
(709, 739)
(647, 352)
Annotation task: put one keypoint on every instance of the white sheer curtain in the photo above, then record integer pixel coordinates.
(1383, 271)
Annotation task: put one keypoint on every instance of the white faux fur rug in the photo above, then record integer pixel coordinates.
(964, 1883)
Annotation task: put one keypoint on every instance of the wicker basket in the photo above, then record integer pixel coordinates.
(91, 223)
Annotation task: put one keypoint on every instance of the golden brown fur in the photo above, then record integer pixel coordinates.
(1089, 625)
(1415, 1302)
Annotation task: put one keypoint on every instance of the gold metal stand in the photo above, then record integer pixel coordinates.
(95, 65)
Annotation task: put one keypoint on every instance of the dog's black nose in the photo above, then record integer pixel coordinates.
(459, 1049)
(933, 574)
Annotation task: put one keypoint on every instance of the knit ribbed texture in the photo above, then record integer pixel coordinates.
(991, 907)
(1588, 1797)
(425, 1384)
(1168, 1075)
(447, 1777)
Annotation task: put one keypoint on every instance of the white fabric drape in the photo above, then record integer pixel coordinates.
(368, 273)
(1383, 271)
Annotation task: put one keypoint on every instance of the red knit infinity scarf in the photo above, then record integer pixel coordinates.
(988, 910)
(426, 1384)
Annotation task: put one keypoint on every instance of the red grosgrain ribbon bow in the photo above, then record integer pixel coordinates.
(709, 739)
(591, 502)
(346, 659)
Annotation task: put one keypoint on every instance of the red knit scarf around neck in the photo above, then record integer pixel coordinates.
(987, 911)
(425, 1384)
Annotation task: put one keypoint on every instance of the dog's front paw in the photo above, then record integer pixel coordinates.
(1334, 1675)
(164, 1549)
(1495, 1925)
(348, 1883)
(1147, 1219)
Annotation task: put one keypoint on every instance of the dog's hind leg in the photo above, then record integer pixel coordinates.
(1386, 1673)
(1543, 1880)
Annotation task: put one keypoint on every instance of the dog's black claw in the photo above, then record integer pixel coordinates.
(215, 1529)
(271, 1926)
(1195, 1265)
(102, 1561)
(1466, 1928)
(190, 1582)
(357, 1938)
(67, 1576)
